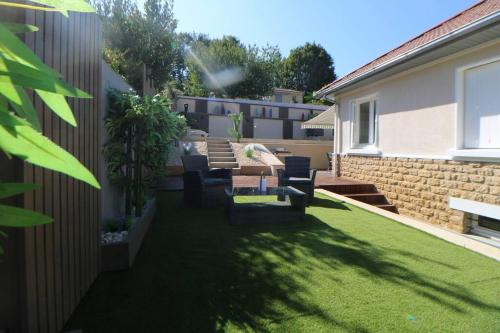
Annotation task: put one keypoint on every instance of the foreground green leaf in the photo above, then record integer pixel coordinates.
(18, 138)
(25, 6)
(19, 217)
(28, 77)
(18, 28)
(58, 104)
(11, 189)
(67, 5)
(21, 103)
(12, 48)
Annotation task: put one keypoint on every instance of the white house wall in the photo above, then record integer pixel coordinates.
(268, 129)
(416, 110)
(297, 113)
(218, 126)
(298, 132)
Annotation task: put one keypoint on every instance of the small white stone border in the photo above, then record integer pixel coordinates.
(450, 236)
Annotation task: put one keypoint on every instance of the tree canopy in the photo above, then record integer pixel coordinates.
(197, 65)
(134, 38)
(308, 68)
(228, 68)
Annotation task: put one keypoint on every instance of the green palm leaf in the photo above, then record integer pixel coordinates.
(58, 104)
(18, 28)
(10, 189)
(67, 5)
(19, 217)
(12, 48)
(18, 138)
(25, 76)
(21, 103)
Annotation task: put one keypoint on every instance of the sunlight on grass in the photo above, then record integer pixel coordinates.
(343, 269)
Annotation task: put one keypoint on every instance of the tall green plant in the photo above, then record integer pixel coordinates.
(20, 132)
(235, 132)
(141, 131)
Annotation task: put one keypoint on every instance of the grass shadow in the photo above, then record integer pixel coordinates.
(196, 273)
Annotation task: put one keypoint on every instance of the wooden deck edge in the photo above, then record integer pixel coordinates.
(447, 235)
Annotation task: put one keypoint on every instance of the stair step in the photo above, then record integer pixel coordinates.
(226, 165)
(220, 150)
(220, 154)
(369, 198)
(388, 207)
(211, 148)
(217, 140)
(218, 145)
(222, 159)
(350, 188)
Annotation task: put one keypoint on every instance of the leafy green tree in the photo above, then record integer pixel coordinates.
(134, 38)
(308, 68)
(228, 68)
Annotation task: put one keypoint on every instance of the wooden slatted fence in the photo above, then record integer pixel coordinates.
(53, 266)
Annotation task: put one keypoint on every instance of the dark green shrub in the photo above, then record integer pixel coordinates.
(141, 132)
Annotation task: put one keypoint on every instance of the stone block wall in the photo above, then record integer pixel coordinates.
(420, 187)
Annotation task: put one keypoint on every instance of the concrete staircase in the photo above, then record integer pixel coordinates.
(221, 155)
(366, 193)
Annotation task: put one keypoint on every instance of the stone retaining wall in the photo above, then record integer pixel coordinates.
(420, 187)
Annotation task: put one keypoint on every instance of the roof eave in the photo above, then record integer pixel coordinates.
(476, 25)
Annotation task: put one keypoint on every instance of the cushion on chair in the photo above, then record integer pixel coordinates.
(297, 166)
(298, 180)
(195, 162)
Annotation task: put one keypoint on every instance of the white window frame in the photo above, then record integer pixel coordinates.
(459, 152)
(363, 148)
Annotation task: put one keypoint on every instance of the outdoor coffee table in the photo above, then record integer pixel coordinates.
(288, 206)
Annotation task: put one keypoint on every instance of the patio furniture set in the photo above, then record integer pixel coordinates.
(205, 187)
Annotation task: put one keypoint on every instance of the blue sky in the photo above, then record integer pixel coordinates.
(353, 31)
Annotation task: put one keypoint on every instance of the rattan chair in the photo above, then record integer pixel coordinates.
(298, 174)
(204, 187)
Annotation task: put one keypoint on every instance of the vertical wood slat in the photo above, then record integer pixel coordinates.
(41, 292)
(76, 152)
(98, 125)
(30, 309)
(71, 182)
(64, 188)
(80, 148)
(48, 185)
(57, 195)
(92, 243)
(62, 259)
(86, 144)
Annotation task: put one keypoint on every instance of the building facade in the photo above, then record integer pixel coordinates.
(261, 119)
(422, 123)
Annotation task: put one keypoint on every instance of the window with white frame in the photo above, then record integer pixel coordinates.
(481, 106)
(364, 122)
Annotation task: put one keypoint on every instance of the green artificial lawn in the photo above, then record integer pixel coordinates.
(343, 269)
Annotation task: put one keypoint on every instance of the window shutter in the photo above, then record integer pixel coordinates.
(482, 106)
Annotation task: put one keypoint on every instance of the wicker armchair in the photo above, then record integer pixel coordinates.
(297, 173)
(204, 187)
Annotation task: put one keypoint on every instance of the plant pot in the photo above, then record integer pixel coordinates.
(121, 255)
